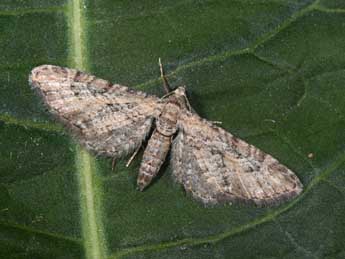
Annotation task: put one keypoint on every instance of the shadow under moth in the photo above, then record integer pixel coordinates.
(113, 120)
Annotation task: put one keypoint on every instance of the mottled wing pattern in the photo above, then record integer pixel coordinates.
(216, 167)
(109, 119)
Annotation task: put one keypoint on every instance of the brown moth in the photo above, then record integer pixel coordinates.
(114, 120)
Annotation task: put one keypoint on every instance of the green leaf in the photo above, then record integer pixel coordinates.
(271, 70)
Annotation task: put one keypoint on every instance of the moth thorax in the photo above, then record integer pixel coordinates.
(166, 122)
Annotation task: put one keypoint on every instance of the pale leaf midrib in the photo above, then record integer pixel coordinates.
(89, 187)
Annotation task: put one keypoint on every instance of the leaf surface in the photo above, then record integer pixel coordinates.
(271, 70)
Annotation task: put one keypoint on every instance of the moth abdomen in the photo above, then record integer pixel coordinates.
(153, 158)
(159, 143)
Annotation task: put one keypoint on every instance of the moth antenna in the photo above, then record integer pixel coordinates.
(165, 81)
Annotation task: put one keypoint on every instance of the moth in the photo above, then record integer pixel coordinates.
(113, 120)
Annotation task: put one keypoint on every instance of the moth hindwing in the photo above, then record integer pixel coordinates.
(114, 120)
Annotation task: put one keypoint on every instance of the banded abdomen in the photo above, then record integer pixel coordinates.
(154, 156)
(159, 143)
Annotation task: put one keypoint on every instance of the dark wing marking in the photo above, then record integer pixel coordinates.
(215, 167)
(109, 119)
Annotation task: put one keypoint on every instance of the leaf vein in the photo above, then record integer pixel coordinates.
(19, 12)
(89, 187)
(248, 50)
(40, 232)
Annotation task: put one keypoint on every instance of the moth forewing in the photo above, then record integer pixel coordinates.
(216, 167)
(108, 119)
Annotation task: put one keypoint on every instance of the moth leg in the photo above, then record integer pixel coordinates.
(165, 81)
(166, 95)
(216, 122)
(133, 156)
(113, 164)
(188, 105)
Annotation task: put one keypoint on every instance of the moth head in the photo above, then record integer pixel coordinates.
(181, 96)
(180, 91)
